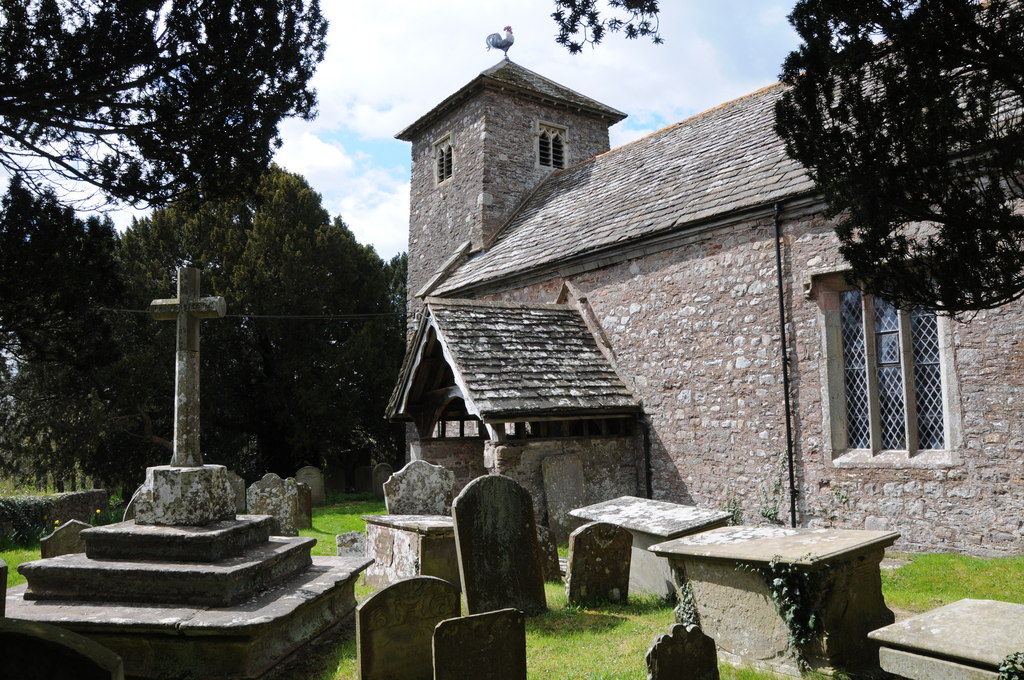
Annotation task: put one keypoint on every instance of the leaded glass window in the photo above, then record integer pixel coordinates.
(892, 375)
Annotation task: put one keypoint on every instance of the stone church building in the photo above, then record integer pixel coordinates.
(596, 322)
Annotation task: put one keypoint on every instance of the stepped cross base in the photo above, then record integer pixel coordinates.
(185, 496)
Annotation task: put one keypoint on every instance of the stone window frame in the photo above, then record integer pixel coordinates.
(827, 289)
(444, 159)
(556, 135)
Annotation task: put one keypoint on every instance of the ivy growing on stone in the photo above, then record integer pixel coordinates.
(1012, 667)
(793, 592)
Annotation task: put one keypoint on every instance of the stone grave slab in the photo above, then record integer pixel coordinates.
(351, 544)
(305, 506)
(599, 557)
(30, 650)
(314, 479)
(420, 488)
(66, 539)
(280, 499)
(724, 572)
(242, 641)
(489, 646)
(564, 490)
(403, 546)
(496, 538)
(548, 555)
(651, 522)
(238, 489)
(381, 473)
(965, 640)
(684, 652)
(395, 628)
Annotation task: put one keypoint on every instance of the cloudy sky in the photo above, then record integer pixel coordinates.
(390, 61)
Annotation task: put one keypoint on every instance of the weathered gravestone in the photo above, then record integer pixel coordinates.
(685, 652)
(564, 491)
(420, 488)
(30, 650)
(65, 540)
(549, 554)
(381, 473)
(489, 646)
(279, 498)
(599, 557)
(305, 506)
(496, 541)
(238, 489)
(395, 626)
(351, 544)
(335, 481)
(314, 479)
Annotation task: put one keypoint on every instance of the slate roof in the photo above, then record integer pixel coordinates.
(519, 359)
(724, 160)
(508, 75)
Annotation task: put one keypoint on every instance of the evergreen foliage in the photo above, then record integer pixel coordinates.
(581, 22)
(146, 99)
(909, 115)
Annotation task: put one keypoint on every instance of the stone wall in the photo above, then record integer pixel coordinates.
(610, 466)
(464, 457)
(696, 336)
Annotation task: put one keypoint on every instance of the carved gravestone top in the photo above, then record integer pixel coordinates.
(278, 497)
(381, 473)
(599, 559)
(496, 541)
(314, 479)
(30, 650)
(65, 540)
(420, 488)
(491, 645)
(685, 652)
(395, 627)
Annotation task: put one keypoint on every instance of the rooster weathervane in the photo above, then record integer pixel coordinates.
(496, 41)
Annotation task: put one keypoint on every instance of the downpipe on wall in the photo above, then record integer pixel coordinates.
(777, 219)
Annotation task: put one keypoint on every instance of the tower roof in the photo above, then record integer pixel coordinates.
(511, 77)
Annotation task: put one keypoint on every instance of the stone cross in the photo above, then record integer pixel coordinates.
(187, 309)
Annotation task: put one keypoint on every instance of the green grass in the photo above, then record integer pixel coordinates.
(930, 581)
(341, 516)
(15, 556)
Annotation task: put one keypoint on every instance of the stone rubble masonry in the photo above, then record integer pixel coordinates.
(495, 169)
(695, 333)
(463, 457)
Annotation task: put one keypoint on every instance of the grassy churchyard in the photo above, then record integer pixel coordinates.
(609, 642)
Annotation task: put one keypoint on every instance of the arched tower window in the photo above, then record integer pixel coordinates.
(443, 158)
(551, 146)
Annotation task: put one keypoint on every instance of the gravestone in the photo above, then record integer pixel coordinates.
(351, 544)
(3, 582)
(496, 542)
(685, 652)
(599, 557)
(381, 473)
(564, 491)
(489, 646)
(363, 479)
(395, 627)
(238, 489)
(305, 506)
(314, 479)
(548, 554)
(279, 498)
(420, 488)
(65, 540)
(38, 651)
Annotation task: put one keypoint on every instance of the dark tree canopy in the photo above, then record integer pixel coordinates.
(145, 99)
(586, 21)
(909, 115)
